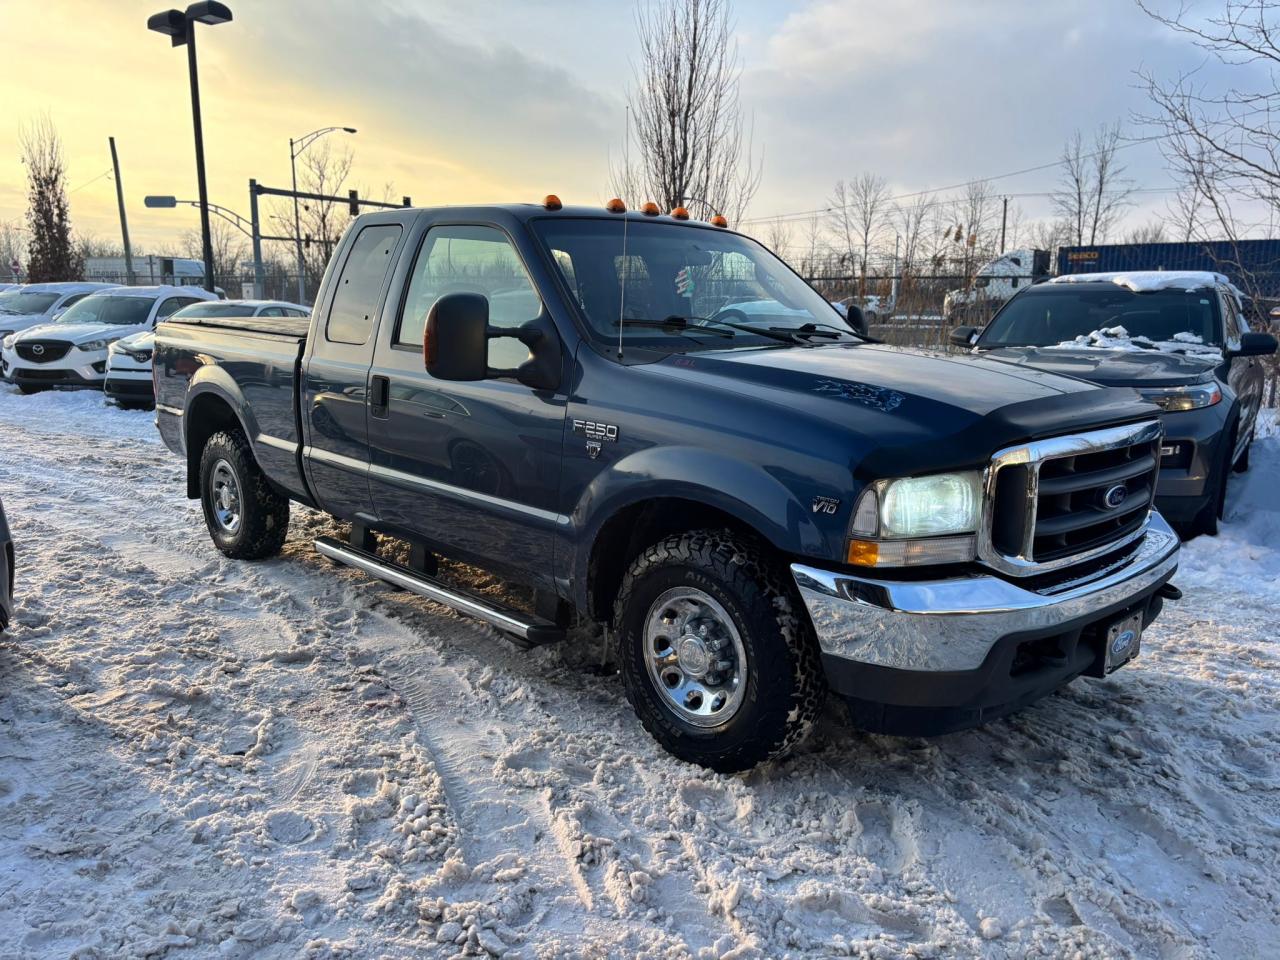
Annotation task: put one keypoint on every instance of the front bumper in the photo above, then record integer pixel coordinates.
(78, 368)
(972, 646)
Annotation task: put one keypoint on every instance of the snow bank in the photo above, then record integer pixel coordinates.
(81, 413)
(1117, 338)
(1143, 281)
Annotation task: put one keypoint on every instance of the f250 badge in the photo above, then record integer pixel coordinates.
(596, 433)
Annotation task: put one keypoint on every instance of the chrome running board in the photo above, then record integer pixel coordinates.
(533, 631)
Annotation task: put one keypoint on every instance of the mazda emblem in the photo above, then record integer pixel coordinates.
(1115, 496)
(38, 349)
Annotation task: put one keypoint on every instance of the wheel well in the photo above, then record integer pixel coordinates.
(207, 415)
(633, 528)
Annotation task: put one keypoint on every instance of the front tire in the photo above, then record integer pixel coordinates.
(246, 518)
(717, 654)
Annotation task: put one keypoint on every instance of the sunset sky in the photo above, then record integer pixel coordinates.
(496, 101)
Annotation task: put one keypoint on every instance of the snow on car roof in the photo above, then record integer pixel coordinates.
(1143, 281)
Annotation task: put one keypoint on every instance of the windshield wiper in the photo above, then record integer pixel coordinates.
(675, 324)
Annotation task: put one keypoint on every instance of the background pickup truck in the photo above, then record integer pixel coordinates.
(759, 504)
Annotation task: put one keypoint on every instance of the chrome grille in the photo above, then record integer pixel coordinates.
(1064, 500)
(42, 351)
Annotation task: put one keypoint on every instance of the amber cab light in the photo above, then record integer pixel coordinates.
(680, 213)
(650, 209)
(552, 202)
(616, 206)
(719, 221)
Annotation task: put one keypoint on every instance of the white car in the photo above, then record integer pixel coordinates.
(23, 307)
(128, 380)
(72, 351)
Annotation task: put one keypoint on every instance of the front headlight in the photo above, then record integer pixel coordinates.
(1192, 397)
(917, 520)
(92, 345)
(8, 341)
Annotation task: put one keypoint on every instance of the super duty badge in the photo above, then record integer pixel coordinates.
(594, 430)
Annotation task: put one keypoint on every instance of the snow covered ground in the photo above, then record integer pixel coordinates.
(202, 758)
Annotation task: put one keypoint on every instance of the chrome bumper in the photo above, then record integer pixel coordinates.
(945, 625)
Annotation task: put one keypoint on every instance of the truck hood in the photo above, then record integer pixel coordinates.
(1111, 368)
(926, 410)
(79, 332)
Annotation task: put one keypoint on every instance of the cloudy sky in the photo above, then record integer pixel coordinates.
(494, 101)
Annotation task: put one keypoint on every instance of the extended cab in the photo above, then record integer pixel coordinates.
(758, 507)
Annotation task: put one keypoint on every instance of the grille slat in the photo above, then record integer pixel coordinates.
(1065, 500)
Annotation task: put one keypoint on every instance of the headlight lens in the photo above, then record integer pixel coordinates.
(917, 520)
(1192, 397)
(91, 345)
(8, 341)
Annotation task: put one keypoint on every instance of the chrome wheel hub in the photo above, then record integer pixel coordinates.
(224, 489)
(695, 657)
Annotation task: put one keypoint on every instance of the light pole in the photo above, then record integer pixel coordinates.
(180, 25)
(296, 147)
(247, 227)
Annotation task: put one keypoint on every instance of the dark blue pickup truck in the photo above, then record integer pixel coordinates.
(654, 424)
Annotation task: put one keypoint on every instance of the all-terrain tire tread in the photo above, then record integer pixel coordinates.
(265, 522)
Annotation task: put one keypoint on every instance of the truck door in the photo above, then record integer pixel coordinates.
(1244, 374)
(336, 371)
(470, 468)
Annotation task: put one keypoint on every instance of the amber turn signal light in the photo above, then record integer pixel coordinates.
(552, 202)
(863, 553)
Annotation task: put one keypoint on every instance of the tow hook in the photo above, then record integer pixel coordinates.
(1169, 592)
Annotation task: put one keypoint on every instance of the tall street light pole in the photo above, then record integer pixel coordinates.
(296, 146)
(179, 26)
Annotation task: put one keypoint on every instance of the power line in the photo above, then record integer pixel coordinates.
(105, 173)
(801, 214)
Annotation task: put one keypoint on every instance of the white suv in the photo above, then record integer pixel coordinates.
(128, 380)
(72, 351)
(23, 307)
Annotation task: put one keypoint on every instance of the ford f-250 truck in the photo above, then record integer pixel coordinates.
(758, 508)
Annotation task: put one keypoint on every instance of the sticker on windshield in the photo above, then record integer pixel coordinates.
(684, 282)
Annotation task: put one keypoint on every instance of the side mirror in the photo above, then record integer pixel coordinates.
(1254, 345)
(963, 336)
(856, 319)
(455, 344)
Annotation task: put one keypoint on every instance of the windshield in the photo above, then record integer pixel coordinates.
(1049, 316)
(103, 308)
(722, 285)
(17, 302)
(215, 310)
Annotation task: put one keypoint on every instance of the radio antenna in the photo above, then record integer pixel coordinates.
(626, 264)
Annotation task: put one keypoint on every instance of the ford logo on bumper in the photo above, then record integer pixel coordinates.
(1120, 645)
(1114, 497)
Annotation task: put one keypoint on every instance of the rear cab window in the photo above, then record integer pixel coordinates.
(359, 286)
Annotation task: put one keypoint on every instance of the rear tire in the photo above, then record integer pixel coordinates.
(740, 642)
(246, 518)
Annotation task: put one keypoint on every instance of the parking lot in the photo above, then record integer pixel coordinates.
(203, 757)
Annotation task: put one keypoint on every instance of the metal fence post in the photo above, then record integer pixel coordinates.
(257, 241)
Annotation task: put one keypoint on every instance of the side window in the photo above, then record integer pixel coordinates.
(74, 298)
(1230, 316)
(356, 298)
(174, 304)
(271, 312)
(471, 259)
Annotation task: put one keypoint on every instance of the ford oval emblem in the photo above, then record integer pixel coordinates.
(1121, 644)
(1115, 496)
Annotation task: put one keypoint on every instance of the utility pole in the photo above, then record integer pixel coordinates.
(1004, 219)
(124, 222)
(256, 237)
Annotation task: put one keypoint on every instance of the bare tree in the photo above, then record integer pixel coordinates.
(1150, 232)
(910, 220)
(13, 249)
(1050, 234)
(777, 237)
(88, 246)
(860, 211)
(693, 141)
(51, 251)
(1224, 146)
(323, 171)
(230, 249)
(1093, 191)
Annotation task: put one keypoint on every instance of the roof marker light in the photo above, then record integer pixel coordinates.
(680, 213)
(650, 209)
(552, 202)
(616, 206)
(719, 221)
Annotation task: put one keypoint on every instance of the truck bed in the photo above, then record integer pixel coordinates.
(247, 366)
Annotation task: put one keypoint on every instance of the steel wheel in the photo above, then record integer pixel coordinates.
(224, 488)
(695, 657)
